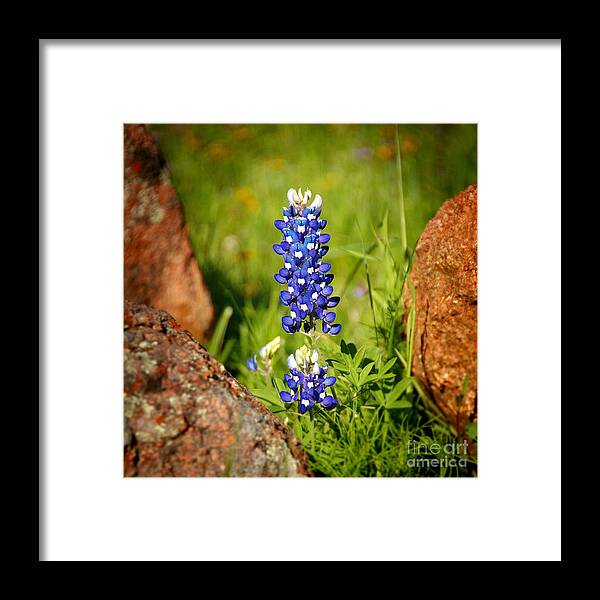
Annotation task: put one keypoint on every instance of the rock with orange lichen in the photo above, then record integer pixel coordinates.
(186, 416)
(445, 280)
(160, 268)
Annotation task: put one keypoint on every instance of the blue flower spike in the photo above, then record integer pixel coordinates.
(307, 279)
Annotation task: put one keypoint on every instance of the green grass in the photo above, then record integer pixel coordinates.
(380, 185)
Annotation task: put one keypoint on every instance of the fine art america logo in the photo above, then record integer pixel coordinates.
(453, 454)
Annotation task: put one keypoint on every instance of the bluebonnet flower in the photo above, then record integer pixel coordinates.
(308, 381)
(306, 276)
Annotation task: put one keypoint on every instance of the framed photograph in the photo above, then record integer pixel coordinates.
(303, 288)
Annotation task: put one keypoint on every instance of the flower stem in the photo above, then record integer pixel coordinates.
(311, 335)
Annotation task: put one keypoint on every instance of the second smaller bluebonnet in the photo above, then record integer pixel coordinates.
(308, 381)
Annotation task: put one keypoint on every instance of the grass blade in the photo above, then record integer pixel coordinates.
(215, 344)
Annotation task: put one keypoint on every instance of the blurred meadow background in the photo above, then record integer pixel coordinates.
(233, 180)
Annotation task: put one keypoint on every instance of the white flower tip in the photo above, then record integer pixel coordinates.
(317, 202)
(292, 196)
(291, 361)
(302, 354)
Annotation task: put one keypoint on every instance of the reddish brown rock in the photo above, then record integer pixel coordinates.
(160, 268)
(445, 279)
(186, 416)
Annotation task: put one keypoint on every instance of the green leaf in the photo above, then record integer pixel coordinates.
(364, 374)
(348, 349)
(388, 365)
(397, 391)
(379, 397)
(268, 395)
(338, 366)
(359, 356)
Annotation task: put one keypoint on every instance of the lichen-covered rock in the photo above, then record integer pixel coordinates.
(445, 279)
(160, 268)
(186, 416)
